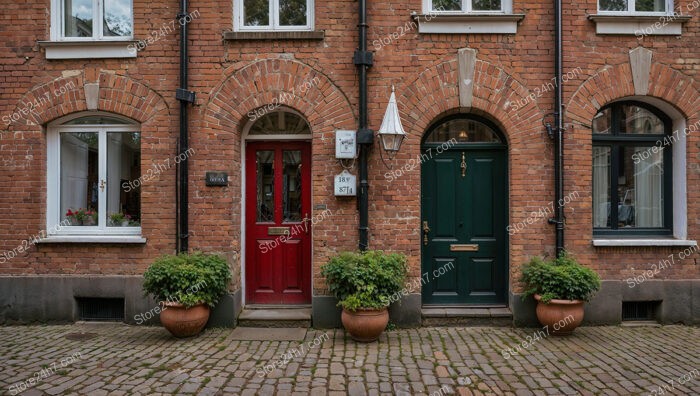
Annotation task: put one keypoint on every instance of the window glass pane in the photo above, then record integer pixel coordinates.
(291, 200)
(486, 5)
(265, 163)
(613, 5)
(641, 187)
(117, 18)
(123, 179)
(650, 5)
(601, 186)
(77, 18)
(79, 178)
(280, 123)
(256, 12)
(447, 5)
(463, 131)
(603, 121)
(638, 120)
(292, 12)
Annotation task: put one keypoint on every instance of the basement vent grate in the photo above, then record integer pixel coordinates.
(101, 309)
(639, 310)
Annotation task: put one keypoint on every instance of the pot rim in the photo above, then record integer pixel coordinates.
(367, 310)
(560, 302)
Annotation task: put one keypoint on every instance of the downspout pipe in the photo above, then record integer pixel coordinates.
(363, 60)
(185, 96)
(559, 131)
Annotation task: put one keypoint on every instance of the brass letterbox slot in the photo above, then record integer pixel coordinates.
(278, 231)
(464, 248)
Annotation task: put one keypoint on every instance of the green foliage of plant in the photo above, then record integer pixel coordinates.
(188, 279)
(562, 278)
(365, 279)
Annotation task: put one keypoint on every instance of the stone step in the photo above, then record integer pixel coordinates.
(275, 317)
(467, 316)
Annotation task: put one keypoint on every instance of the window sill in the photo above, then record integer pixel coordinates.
(609, 242)
(468, 23)
(275, 35)
(89, 49)
(639, 25)
(134, 239)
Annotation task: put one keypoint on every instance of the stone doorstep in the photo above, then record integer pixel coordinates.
(275, 317)
(275, 314)
(466, 312)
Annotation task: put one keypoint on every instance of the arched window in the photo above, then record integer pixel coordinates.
(632, 180)
(94, 176)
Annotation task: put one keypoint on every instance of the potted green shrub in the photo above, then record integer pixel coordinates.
(365, 283)
(187, 286)
(560, 286)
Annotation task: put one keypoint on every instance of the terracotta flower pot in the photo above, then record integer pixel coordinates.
(365, 325)
(560, 316)
(181, 321)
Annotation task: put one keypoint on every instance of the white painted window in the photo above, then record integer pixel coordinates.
(635, 7)
(273, 15)
(467, 6)
(94, 176)
(92, 20)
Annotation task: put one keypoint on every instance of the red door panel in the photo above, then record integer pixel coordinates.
(278, 232)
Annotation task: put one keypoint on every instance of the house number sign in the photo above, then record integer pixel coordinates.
(216, 179)
(345, 184)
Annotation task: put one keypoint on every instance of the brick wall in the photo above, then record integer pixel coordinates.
(231, 78)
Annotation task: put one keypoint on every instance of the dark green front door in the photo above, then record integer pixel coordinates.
(463, 226)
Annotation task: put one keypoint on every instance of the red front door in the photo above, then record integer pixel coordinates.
(278, 226)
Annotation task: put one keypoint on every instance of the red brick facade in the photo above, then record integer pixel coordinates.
(234, 77)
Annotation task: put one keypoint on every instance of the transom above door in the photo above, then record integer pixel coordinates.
(464, 209)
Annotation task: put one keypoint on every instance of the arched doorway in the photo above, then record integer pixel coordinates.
(277, 198)
(464, 205)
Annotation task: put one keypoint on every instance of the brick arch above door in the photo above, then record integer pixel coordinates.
(264, 84)
(435, 93)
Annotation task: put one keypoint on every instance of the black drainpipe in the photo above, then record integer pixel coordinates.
(185, 96)
(365, 136)
(558, 221)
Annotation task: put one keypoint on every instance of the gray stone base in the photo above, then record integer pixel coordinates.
(325, 314)
(52, 299)
(403, 313)
(226, 312)
(679, 302)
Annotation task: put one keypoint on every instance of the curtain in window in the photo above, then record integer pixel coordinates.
(649, 189)
(601, 185)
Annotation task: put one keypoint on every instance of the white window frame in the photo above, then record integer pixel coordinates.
(506, 8)
(631, 4)
(53, 177)
(239, 23)
(57, 23)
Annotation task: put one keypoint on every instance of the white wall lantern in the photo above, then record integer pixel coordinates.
(391, 132)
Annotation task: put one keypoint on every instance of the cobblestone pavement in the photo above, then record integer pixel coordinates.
(118, 360)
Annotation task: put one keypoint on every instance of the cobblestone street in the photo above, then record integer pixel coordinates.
(119, 360)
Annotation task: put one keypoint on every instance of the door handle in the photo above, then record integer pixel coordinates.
(306, 222)
(426, 230)
(464, 164)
